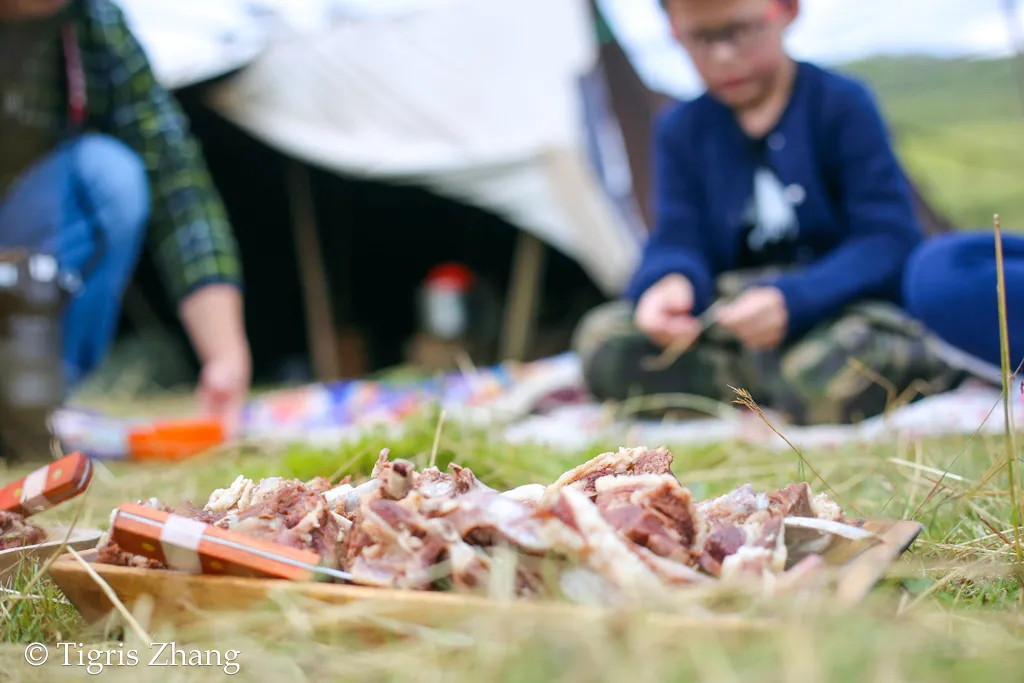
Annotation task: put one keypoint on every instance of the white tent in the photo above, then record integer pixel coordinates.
(486, 103)
(476, 100)
(191, 41)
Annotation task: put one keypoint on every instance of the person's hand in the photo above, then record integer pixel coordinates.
(224, 387)
(758, 318)
(664, 312)
(212, 315)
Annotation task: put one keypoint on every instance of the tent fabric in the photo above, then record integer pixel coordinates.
(436, 92)
(192, 41)
(476, 100)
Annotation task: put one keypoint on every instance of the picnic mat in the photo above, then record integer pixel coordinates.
(543, 402)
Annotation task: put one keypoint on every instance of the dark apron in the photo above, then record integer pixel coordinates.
(34, 293)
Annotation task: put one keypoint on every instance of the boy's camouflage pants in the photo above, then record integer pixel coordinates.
(845, 370)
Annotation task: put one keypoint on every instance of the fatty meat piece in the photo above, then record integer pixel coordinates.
(602, 549)
(291, 514)
(529, 495)
(222, 500)
(396, 477)
(635, 461)
(654, 511)
(486, 518)
(763, 552)
(245, 493)
(732, 508)
(17, 532)
(745, 518)
(345, 499)
(392, 547)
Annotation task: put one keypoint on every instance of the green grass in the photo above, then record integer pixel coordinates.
(959, 127)
(951, 609)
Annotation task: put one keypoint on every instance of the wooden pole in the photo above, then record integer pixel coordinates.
(323, 343)
(523, 297)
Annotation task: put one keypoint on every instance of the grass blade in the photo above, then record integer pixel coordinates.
(1004, 353)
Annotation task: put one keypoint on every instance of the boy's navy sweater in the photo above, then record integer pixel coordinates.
(857, 222)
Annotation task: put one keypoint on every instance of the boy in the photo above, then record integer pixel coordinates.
(779, 195)
(92, 150)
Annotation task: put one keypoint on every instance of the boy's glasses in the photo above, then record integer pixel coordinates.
(739, 36)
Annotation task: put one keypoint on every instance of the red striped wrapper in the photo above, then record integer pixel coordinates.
(48, 486)
(186, 545)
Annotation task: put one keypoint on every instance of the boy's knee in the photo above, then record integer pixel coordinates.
(605, 340)
(927, 267)
(932, 279)
(604, 323)
(112, 186)
(828, 376)
(855, 367)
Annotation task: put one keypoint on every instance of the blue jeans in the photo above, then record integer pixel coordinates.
(88, 204)
(950, 286)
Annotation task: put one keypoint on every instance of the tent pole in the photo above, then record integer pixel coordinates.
(322, 336)
(523, 298)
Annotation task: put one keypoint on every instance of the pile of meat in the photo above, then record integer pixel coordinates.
(621, 523)
(17, 532)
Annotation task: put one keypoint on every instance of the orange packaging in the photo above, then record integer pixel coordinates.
(174, 439)
(184, 544)
(48, 486)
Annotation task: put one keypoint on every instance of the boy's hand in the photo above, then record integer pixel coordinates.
(758, 318)
(664, 312)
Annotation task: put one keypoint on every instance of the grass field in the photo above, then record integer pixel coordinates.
(959, 126)
(951, 611)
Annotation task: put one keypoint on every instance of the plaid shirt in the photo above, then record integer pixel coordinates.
(189, 231)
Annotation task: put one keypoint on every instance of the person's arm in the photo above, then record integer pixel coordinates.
(677, 242)
(213, 317)
(878, 209)
(193, 242)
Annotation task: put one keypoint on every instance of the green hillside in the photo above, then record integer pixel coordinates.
(959, 126)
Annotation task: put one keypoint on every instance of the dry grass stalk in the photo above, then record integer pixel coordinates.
(28, 587)
(1009, 435)
(982, 481)
(746, 400)
(130, 620)
(437, 439)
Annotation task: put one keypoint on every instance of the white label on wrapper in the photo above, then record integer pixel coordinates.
(179, 540)
(32, 498)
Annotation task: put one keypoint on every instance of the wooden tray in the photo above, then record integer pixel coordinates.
(179, 599)
(79, 540)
